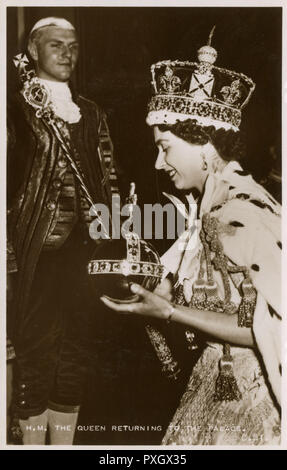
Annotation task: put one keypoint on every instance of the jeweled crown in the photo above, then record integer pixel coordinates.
(198, 90)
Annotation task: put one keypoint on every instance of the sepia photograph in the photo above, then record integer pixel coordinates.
(142, 195)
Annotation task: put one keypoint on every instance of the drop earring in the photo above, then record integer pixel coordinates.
(204, 162)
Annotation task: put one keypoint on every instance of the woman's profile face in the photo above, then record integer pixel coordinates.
(180, 159)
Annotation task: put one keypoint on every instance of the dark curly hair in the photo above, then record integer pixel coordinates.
(227, 143)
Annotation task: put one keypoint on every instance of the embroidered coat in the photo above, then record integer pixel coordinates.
(34, 166)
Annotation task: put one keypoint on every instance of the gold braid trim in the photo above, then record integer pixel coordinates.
(205, 297)
(106, 155)
(209, 235)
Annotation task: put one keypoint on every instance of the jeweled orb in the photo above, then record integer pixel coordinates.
(113, 268)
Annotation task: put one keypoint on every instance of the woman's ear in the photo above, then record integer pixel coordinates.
(214, 160)
(209, 149)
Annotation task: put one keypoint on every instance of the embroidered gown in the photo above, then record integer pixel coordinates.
(248, 227)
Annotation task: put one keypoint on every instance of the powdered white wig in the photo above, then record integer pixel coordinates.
(52, 21)
(42, 24)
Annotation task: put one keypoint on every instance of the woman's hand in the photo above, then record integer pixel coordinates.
(164, 289)
(214, 324)
(151, 304)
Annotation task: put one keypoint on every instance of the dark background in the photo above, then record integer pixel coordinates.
(118, 45)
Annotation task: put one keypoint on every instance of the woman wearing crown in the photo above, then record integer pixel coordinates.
(226, 274)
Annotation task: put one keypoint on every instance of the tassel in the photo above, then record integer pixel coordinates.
(213, 301)
(170, 366)
(179, 298)
(199, 296)
(226, 388)
(248, 303)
